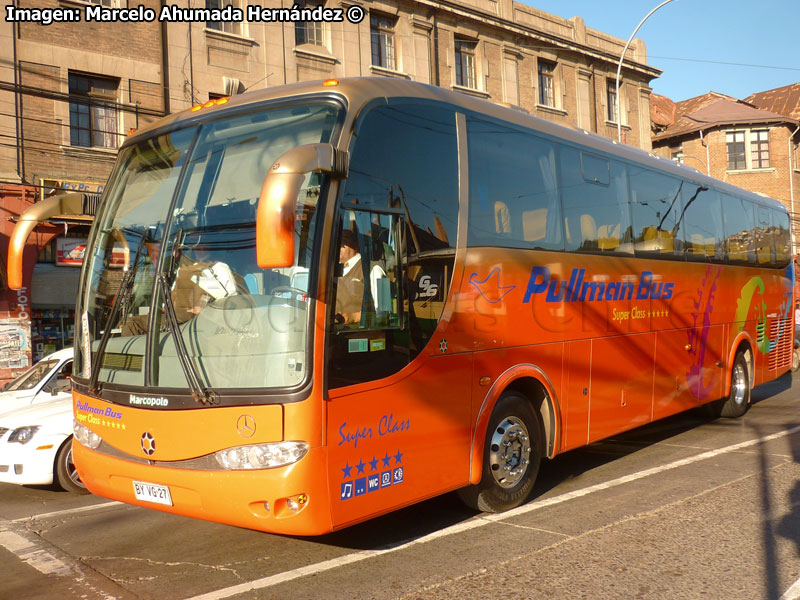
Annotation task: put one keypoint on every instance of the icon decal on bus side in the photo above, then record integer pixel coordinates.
(379, 476)
(489, 287)
(579, 289)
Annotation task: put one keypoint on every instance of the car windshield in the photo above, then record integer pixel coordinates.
(179, 219)
(31, 378)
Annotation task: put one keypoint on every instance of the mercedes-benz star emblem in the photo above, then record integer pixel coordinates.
(246, 426)
(148, 444)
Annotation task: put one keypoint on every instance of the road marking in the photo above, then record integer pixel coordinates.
(792, 594)
(30, 553)
(68, 511)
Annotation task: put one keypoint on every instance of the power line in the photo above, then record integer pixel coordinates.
(719, 62)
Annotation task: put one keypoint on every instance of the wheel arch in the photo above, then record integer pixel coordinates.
(533, 383)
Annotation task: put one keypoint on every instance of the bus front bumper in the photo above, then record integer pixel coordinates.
(288, 500)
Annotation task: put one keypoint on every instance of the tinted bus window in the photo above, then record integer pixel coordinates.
(783, 239)
(701, 224)
(739, 229)
(595, 203)
(399, 214)
(765, 238)
(656, 206)
(513, 197)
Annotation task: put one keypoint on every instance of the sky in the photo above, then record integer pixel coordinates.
(690, 40)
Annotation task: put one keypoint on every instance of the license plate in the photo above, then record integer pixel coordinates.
(152, 492)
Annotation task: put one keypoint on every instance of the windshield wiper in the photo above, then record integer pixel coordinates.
(200, 393)
(121, 299)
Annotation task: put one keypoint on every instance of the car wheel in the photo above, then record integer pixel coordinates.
(66, 475)
(512, 452)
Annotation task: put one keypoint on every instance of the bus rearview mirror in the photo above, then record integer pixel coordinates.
(62, 204)
(275, 229)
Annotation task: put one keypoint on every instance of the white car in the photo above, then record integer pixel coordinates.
(47, 380)
(36, 431)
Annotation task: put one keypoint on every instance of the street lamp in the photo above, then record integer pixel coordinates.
(619, 66)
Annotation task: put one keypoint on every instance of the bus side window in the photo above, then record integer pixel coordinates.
(739, 229)
(513, 195)
(701, 224)
(765, 240)
(783, 239)
(595, 200)
(655, 207)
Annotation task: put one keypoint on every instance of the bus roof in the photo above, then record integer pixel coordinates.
(358, 91)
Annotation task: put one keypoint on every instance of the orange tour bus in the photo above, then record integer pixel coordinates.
(306, 306)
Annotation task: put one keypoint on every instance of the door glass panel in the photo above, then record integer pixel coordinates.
(399, 213)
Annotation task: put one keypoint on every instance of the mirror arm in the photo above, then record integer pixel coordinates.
(278, 198)
(63, 204)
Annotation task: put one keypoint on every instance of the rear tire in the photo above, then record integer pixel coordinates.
(738, 400)
(512, 453)
(65, 474)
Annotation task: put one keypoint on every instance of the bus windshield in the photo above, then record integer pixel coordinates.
(172, 291)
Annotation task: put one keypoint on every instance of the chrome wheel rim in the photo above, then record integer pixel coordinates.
(509, 452)
(72, 472)
(739, 384)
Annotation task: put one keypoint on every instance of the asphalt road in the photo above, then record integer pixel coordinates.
(684, 508)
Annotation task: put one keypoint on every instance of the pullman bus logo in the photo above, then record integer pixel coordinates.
(148, 444)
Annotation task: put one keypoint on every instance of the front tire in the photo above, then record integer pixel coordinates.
(512, 453)
(65, 473)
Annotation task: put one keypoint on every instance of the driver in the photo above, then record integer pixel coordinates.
(199, 280)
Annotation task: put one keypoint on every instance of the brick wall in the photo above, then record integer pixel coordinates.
(140, 40)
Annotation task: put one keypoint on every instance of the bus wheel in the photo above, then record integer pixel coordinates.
(511, 456)
(66, 475)
(738, 401)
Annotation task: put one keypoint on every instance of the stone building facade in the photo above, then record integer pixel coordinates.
(504, 51)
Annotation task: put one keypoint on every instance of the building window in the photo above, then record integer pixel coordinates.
(308, 32)
(611, 100)
(736, 154)
(234, 27)
(93, 111)
(511, 80)
(382, 35)
(759, 149)
(108, 3)
(677, 156)
(547, 91)
(465, 63)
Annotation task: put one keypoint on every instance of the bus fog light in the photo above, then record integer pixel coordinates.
(261, 456)
(86, 436)
(289, 507)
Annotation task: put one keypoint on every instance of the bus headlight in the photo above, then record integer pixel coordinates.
(261, 456)
(86, 436)
(23, 435)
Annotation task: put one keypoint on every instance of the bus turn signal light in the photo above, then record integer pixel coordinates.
(210, 103)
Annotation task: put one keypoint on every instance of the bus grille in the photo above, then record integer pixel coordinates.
(761, 329)
(780, 355)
